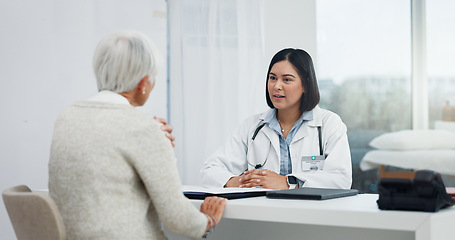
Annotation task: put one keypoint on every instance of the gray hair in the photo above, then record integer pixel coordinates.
(122, 59)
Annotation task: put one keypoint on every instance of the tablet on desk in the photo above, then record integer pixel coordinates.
(312, 193)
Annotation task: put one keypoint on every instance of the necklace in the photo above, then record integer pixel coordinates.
(282, 129)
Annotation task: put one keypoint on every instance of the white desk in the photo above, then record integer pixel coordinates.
(356, 217)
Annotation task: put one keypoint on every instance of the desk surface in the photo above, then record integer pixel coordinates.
(360, 211)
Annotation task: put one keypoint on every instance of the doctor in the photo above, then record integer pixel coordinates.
(294, 144)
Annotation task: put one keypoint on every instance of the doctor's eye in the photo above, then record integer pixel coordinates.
(271, 77)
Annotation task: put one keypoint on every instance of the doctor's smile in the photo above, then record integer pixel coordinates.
(277, 97)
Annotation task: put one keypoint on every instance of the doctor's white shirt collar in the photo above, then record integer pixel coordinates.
(271, 119)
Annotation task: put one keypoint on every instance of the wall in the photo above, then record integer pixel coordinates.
(290, 24)
(45, 57)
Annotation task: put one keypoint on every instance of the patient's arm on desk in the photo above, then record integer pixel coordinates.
(213, 207)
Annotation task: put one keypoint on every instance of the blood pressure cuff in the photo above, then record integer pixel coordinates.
(426, 192)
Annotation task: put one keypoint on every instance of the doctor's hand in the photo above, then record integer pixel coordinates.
(233, 182)
(167, 129)
(263, 178)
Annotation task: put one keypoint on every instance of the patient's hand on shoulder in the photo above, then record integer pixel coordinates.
(167, 129)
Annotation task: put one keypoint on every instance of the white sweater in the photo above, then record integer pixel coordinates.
(112, 174)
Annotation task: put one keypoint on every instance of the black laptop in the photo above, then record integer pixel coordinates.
(312, 193)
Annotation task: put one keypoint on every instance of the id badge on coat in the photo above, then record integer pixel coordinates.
(313, 163)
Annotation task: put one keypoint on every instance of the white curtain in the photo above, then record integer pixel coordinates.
(217, 73)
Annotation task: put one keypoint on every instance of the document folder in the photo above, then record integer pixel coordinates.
(230, 195)
(312, 193)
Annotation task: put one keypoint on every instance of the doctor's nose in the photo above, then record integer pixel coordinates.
(278, 85)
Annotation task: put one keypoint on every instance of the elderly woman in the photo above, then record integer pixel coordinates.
(112, 170)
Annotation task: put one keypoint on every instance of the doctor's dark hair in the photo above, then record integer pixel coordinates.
(303, 64)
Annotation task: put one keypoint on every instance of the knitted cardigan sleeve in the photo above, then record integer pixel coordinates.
(153, 158)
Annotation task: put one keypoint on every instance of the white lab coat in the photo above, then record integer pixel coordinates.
(231, 159)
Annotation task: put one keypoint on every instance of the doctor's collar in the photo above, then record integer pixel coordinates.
(271, 120)
(307, 116)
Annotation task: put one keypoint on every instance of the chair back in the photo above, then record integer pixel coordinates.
(33, 215)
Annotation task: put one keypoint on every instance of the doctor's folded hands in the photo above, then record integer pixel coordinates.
(293, 144)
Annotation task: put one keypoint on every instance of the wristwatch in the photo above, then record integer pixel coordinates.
(292, 181)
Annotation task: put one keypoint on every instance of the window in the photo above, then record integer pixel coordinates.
(364, 71)
(441, 60)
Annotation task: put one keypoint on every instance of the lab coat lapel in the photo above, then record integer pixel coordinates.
(301, 133)
(271, 134)
(305, 128)
(273, 138)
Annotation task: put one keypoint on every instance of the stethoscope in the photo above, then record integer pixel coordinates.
(258, 128)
